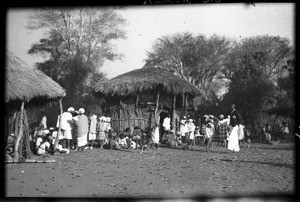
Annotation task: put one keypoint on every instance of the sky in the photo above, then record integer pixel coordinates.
(145, 24)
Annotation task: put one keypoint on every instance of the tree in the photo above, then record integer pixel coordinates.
(195, 59)
(78, 41)
(253, 68)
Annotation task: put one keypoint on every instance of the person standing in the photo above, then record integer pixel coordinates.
(183, 129)
(92, 131)
(100, 131)
(155, 136)
(66, 126)
(191, 131)
(224, 124)
(284, 131)
(235, 120)
(44, 120)
(82, 129)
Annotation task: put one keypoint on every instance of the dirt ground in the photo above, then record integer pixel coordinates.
(166, 172)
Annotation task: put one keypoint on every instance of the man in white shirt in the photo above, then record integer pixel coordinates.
(66, 125)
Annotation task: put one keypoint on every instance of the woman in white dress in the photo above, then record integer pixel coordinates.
(235, 120)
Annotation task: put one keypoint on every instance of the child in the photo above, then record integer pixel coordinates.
(191, 131)
(100, 130)
(122, 142)
(209, 134)
(143, 142)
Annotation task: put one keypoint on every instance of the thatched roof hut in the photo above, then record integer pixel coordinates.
(25, 83)
(145, 79)
(22, 85)
(156, 85)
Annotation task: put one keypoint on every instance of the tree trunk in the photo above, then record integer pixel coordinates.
(59, 127)
(20, 134)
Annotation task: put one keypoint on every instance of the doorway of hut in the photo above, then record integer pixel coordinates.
(162, 116)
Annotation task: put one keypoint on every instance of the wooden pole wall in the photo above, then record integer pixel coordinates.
(20, 134)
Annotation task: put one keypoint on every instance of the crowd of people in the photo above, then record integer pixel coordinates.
(77, 131)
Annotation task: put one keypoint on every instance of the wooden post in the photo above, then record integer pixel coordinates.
(20, 134)
(173, 115)
(156, 107)
(28, 149)
(120, 114)
(137, 101)
(59, 127)
(185, 103)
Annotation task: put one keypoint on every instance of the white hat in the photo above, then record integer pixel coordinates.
(46, 131)
(71, 109)
(102, 118)
(81, 110)
(184, 117)
(190, 120)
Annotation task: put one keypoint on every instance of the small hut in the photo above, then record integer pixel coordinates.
(146, 96)
(25, 86)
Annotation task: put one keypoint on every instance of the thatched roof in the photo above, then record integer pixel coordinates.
(23, 82)
(145, 79)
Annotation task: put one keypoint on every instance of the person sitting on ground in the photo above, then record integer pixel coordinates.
(113, 140)
(266, 134)
(172, 142)
(9, 148)
(143, 142)
(132, 145)
(128, 134)
(122, 142)
(137, 136)
(42, 143)
(165, 137)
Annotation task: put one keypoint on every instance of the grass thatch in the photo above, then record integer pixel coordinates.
(145, 79)
(23, 82)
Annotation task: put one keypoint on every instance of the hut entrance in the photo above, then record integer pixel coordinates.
(162, 116)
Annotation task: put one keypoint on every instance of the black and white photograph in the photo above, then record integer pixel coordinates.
(172, 102)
